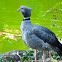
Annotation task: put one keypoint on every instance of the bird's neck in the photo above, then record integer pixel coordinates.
(27, 18)
(26, 21)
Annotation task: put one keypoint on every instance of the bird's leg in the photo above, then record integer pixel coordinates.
(35, 54)
(44, 56)
(50, 54)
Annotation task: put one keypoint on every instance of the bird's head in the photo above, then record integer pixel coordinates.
(25, 11)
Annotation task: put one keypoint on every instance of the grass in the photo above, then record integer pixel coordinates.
(44, 13)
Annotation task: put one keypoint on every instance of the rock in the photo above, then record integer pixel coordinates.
(13, 55)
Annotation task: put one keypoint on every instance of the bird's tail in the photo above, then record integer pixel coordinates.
(60, 49)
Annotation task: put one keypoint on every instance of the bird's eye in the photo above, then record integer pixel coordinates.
(21, 8)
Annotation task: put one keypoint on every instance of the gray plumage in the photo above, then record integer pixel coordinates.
(38, 37)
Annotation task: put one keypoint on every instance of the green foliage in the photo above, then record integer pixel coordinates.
(56, 56)
(30, 56)
(27, 56)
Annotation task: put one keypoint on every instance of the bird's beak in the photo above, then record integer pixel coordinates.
(18, 10)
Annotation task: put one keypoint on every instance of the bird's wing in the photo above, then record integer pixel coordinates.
(46, 35)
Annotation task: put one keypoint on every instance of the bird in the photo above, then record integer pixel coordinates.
(38, 37)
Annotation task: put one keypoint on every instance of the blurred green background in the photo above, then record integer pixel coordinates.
(47, 13)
